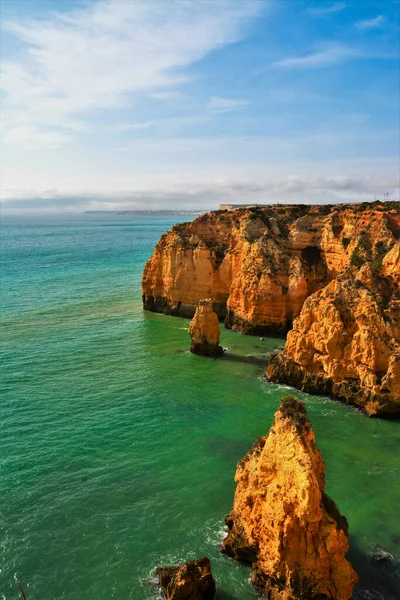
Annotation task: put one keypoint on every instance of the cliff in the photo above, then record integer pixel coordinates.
(260, 265)
(346, 341)
(283, 522)
(204, 331)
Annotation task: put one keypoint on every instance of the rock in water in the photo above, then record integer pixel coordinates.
(204, 331)
(189, 581)
(259, 265)
(283, 522)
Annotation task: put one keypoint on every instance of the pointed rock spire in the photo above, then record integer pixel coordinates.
(283, 522)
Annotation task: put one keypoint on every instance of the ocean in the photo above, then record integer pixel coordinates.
(119, 447)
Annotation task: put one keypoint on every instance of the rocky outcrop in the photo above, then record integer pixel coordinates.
(330, 272)
(346, 341)
(258, 265)
(189, 581)
(204, 331)
(283, 522)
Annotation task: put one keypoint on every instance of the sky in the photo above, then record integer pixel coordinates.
(167, 104)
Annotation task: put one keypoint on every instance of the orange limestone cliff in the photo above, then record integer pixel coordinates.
(259, 265)
(204, 331)
(346, 341)
(188, 581)
(283, 522)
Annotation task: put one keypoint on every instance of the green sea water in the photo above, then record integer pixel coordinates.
(119, 447)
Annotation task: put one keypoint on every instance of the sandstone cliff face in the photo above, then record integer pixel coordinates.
(258, 266)
(283, 522)
(189, 581)
(346, 341)
(204, 331)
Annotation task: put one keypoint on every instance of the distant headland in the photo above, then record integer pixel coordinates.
(150, 213)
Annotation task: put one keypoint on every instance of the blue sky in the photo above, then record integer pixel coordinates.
(185, 104)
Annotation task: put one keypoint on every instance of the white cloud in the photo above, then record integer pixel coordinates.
(169, 95)
(220, 105)
(104, 55)
(207, 193)
(32, 137)
(376, 23)
(332, 54)
(327, 9)
(122, 127)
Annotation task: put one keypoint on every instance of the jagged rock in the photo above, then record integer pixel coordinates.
(283, 522)
(258, 265)
(346, 342)
(192, 580)
(266, 269)
(204, 331)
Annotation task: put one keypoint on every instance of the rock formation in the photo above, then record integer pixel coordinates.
(189, 581)
(260, 265)
(204, 331)
(346, 341)
(283, 522)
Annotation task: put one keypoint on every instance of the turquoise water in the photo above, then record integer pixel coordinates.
(119, 447)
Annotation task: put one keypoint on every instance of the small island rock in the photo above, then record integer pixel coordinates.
(192, 580)
(283, 522)
(204, 331)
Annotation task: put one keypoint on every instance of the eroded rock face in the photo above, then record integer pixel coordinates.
(189, 581)
(346, 341)
(283, 522)
(204, 331)
(259, 265)
(333, 272)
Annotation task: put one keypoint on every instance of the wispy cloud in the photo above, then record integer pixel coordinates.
(108, 53)
(169, 95)
(221, 105)
(122, 127)
(32, 137)
(375, 23)
(332, 54)
(326, 9)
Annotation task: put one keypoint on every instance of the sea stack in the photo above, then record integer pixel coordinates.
(204, 331)
(283, 522)
(311, 270)
(192, 580)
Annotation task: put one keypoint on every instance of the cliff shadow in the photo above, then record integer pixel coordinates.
(249, 360)
(378, 572)
(221, 595)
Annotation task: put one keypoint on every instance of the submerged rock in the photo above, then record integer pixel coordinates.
(192, 580)
(204, 331)
(283, 522)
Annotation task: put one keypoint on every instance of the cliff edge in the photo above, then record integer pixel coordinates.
(283, 522)
(312, 270)
(346, 341)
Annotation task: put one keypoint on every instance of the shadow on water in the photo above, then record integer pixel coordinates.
(231, 449)
(249, 360)
(238, 358)
(221, 595)
(378, 571)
